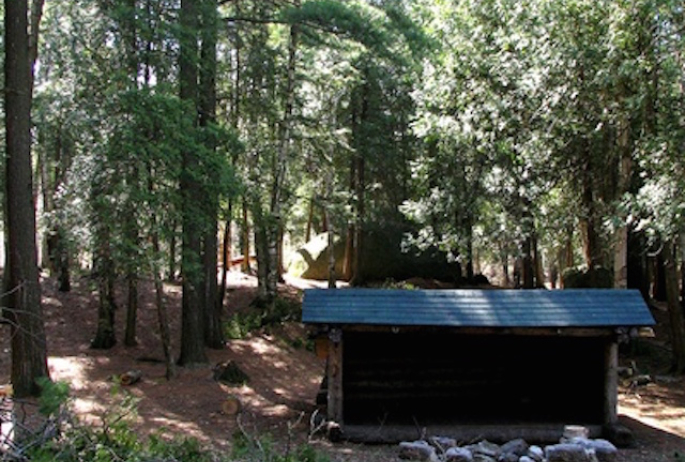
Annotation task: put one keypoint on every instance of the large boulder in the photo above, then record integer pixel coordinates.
(383, 257)
(595, 278)
(311, 260)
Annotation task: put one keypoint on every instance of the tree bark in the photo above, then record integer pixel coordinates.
(227, 256)
(273, 222)
(675, 311)
(245, 266)
(155, 266)
(24, 309)
(624, 175)
(192, 338)
(105, 335)
(214, 337)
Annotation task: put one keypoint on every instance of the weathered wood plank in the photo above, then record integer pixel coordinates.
(335, 376)
(525, 331)
(611, 384)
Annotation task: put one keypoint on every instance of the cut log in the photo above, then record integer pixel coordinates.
(130, 377)
(232, 406)
(6, 391)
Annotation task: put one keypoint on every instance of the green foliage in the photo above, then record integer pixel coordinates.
(53, 397)
(240, 325)
(250, 449)
(392, 284)
(114, 438)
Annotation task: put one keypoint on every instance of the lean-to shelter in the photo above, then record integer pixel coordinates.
(471, 363)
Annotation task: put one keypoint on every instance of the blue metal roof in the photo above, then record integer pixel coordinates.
(477, 308)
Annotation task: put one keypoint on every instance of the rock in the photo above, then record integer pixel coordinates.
(442, 443)
(519, 447)
(485, 448)
(567, 452)
(536, 453)
(574, 431)
(603, 449)
(508, 457)
(418, 450)
(526, 459)
(455, 454)
(483, 458)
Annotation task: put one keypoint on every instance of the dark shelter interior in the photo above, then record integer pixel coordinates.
(432, 377)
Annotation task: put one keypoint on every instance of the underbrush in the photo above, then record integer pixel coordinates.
(239, 325)
(58, 435)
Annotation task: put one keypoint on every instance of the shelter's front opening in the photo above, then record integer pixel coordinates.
(440, 378)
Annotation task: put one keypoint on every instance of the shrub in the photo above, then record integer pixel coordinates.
(113, 439)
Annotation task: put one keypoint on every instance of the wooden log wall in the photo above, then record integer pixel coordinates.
(431, 378)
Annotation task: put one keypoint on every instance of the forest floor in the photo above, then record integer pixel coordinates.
(278, 400)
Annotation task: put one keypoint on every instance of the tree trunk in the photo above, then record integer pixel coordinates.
(538, 264)
(214, 337)
(25, 312)
(527, 274)
(659, 292)
(261, 250)
(348, 263)
(226, 257)
(274, 221)
(171, 275)
(192, 338)
(674, 309)
(132, 261)
(358, 276)
(105, 335)
(624, 175)
(130, 336)
(245, 266)
(310, 221)
(155, 266)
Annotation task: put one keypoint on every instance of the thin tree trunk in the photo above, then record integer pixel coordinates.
(25, 312)
(162, 314)
(538, 264)
(310, 220)
(226, 257)
(624, 175)
(348, 264)
(674, 309)
(171, 275)
(261, 251)
(245, 266)
(273, 222)
(130, 336)
(105, 335)
(331, 257)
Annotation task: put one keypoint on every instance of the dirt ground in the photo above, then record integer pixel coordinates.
(284, 376)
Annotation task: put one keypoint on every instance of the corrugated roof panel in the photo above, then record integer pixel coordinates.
(477, 308)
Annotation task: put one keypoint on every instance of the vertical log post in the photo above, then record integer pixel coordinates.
(335, 376)
(611, 383)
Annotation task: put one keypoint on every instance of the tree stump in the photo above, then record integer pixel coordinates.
(130, 377)
(232, 406)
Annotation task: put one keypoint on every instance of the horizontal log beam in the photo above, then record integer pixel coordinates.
(524, 331)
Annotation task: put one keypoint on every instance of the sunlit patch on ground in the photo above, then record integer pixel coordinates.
(653, 405)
